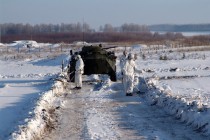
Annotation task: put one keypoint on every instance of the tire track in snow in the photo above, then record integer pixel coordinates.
(71, 123)
(110, 115)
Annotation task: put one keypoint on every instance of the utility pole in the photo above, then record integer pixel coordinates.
(83, 37)
(0, 33)
(31, 32)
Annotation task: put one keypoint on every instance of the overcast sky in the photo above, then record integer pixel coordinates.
(100, 12)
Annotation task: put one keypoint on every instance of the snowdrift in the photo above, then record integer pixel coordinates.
(1, 44)
(80, 43)
(193, 113)
(45, 113)
(24, 44)
(138, 47)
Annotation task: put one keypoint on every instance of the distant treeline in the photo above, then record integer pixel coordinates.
(180, 28)
(93, 37)
(20, 29)
(143, 37)
(71, 32)
(68, 33)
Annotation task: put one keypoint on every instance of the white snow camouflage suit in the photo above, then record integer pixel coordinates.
(128, 75)
(79, 70)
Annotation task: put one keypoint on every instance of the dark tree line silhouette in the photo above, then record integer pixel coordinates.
(143, 37)
(180, 28)
(68, 33)
(20, 29)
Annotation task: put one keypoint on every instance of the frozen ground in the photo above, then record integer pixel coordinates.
(36, 101)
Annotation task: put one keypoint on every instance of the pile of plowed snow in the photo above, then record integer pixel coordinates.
(193, 113)
(44, 113)
(24, 44)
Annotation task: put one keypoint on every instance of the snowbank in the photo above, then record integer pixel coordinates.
(1, 44)
(138, 47)
(44, 113)
(24, 44)
(193, 113)
(80, 43)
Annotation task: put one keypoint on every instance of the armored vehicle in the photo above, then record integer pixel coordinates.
(96, 60)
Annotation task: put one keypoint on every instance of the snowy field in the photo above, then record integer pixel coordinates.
(32, 90)
(24, 77)
(180, 83)
(185, 74)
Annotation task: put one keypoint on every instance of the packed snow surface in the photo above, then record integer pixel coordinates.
(102, 111)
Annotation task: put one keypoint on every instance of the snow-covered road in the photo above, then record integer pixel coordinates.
(110, 115)
(178, 87)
